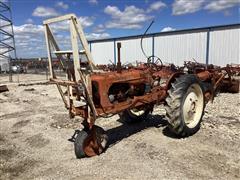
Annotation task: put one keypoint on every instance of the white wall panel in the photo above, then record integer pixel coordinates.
(224, 47)
(131, 50)
(102, 52)
(181, 47)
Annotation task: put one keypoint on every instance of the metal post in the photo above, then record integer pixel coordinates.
(153, 46)
(207, 47)
(119, 66)
(14, 45)
(47, 31)
(114, 51)
(10, 70)
(46, 72)
(74, 41)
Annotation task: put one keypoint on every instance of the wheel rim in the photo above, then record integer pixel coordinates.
(193, 105)
(96, 141)
(137, 112)
(102, 138)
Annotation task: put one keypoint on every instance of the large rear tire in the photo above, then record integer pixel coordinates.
(185, 105)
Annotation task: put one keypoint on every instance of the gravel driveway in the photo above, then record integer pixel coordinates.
(34, 128)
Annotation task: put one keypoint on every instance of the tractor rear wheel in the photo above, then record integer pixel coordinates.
(185, 105)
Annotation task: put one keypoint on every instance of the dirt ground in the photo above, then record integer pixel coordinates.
(34, 132)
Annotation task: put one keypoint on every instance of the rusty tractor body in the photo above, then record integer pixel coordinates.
(224, 79)
(132, 91)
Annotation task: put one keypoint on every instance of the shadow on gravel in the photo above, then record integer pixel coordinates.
(126, 129)
(167, 132)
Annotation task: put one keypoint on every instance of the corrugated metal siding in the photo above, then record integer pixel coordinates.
(176, 48)
(131, 50)
(102, 52)
(224, 47)
(181, 47)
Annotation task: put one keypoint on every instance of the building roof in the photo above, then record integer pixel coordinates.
(209, 28)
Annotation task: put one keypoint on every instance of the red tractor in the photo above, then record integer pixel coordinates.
(131, 92)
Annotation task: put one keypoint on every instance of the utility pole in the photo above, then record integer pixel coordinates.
(7, 41)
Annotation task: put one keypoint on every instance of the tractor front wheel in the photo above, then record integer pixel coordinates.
(135, 115)
(79, 143)
(90, 142)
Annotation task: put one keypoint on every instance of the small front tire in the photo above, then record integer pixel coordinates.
(79, 144)
(84, 141)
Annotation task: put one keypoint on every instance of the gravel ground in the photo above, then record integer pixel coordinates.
(34, 128)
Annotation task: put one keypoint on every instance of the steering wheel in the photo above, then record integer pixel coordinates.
(152, 63)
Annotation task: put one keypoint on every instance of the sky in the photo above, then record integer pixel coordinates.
(105, 18)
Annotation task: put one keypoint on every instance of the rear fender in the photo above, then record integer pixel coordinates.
(173, 78)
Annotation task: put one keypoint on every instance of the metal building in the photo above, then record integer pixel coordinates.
(219, 45)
